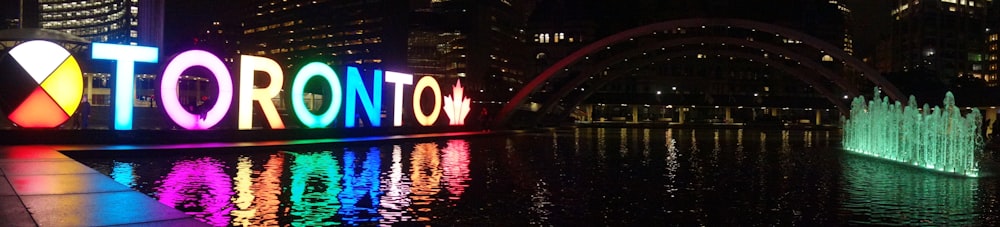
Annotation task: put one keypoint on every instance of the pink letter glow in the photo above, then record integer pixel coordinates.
(169, 97)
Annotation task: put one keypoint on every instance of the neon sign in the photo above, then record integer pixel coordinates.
(58, 89)
(168, 90)
(124, 77)
(49, 85)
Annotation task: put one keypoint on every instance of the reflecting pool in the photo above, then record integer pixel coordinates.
(578, 177)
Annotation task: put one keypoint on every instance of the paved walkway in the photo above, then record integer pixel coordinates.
(42, 187)
(39, 186)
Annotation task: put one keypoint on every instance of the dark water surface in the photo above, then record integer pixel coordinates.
(581, 177)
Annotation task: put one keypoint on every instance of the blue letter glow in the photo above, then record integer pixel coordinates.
(356, 90)
(298, 89)
(123, 95)
(248, 65)
(399, 79)
(168, 89)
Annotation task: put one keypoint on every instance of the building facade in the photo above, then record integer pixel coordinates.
(992, 57)
(481, 43)
(135, 22)
(944, 37)
(364, 33)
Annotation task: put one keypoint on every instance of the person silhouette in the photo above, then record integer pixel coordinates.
(84, 113)
(484, 119)
(206, 105)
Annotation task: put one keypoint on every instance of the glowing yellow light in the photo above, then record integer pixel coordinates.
(65, 85)
(248, 94)
(427, 82)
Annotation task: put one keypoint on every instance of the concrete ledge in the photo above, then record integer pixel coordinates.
(40, 186)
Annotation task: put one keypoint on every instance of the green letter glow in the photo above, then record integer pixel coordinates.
(356, 90)
(427, 82)
(298, 88)
(123, 94)
(248, 65)
(399, 79)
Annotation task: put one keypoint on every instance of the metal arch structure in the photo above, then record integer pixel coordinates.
(581, 78)
(12, 37)
(866, 71)
(815, 82)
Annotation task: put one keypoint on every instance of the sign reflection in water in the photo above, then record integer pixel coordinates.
(456, 167)
(308, 188)
(314, 189)
(425, 176)
(199, 187)
(394, 201)
(360, 188)
(257, 198)
(729, 178)
(124, 173)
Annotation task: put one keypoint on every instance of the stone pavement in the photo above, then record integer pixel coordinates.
(41, 187)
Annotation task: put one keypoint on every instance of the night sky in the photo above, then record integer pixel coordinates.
(185, 18)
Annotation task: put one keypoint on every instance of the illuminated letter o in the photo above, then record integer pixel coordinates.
(298, 94)
(168, 90)
(418, 112)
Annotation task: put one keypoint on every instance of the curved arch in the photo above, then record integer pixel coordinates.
(815, 82)
(867, 71)
(811, 64)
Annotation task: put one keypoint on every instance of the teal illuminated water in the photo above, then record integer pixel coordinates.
(940, 138)
(581, 177)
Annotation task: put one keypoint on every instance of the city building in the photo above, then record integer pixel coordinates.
(135, 22)
(848, 42)
(364, 33)
(481, 43)
(716, 87)
(557, 28)
(943, 37)
(992, 58)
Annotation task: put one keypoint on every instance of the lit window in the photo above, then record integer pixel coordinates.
(543, 38)
(827, 58)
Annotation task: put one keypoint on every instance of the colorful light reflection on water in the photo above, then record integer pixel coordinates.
(583, 177)
(322, 188)
(199, 187)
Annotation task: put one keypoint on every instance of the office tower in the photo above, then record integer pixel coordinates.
(992, 57)
(943, 37)
(481, 43)
(364, 33)
(136, 22)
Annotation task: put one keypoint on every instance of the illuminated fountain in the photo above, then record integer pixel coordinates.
(940, 139)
